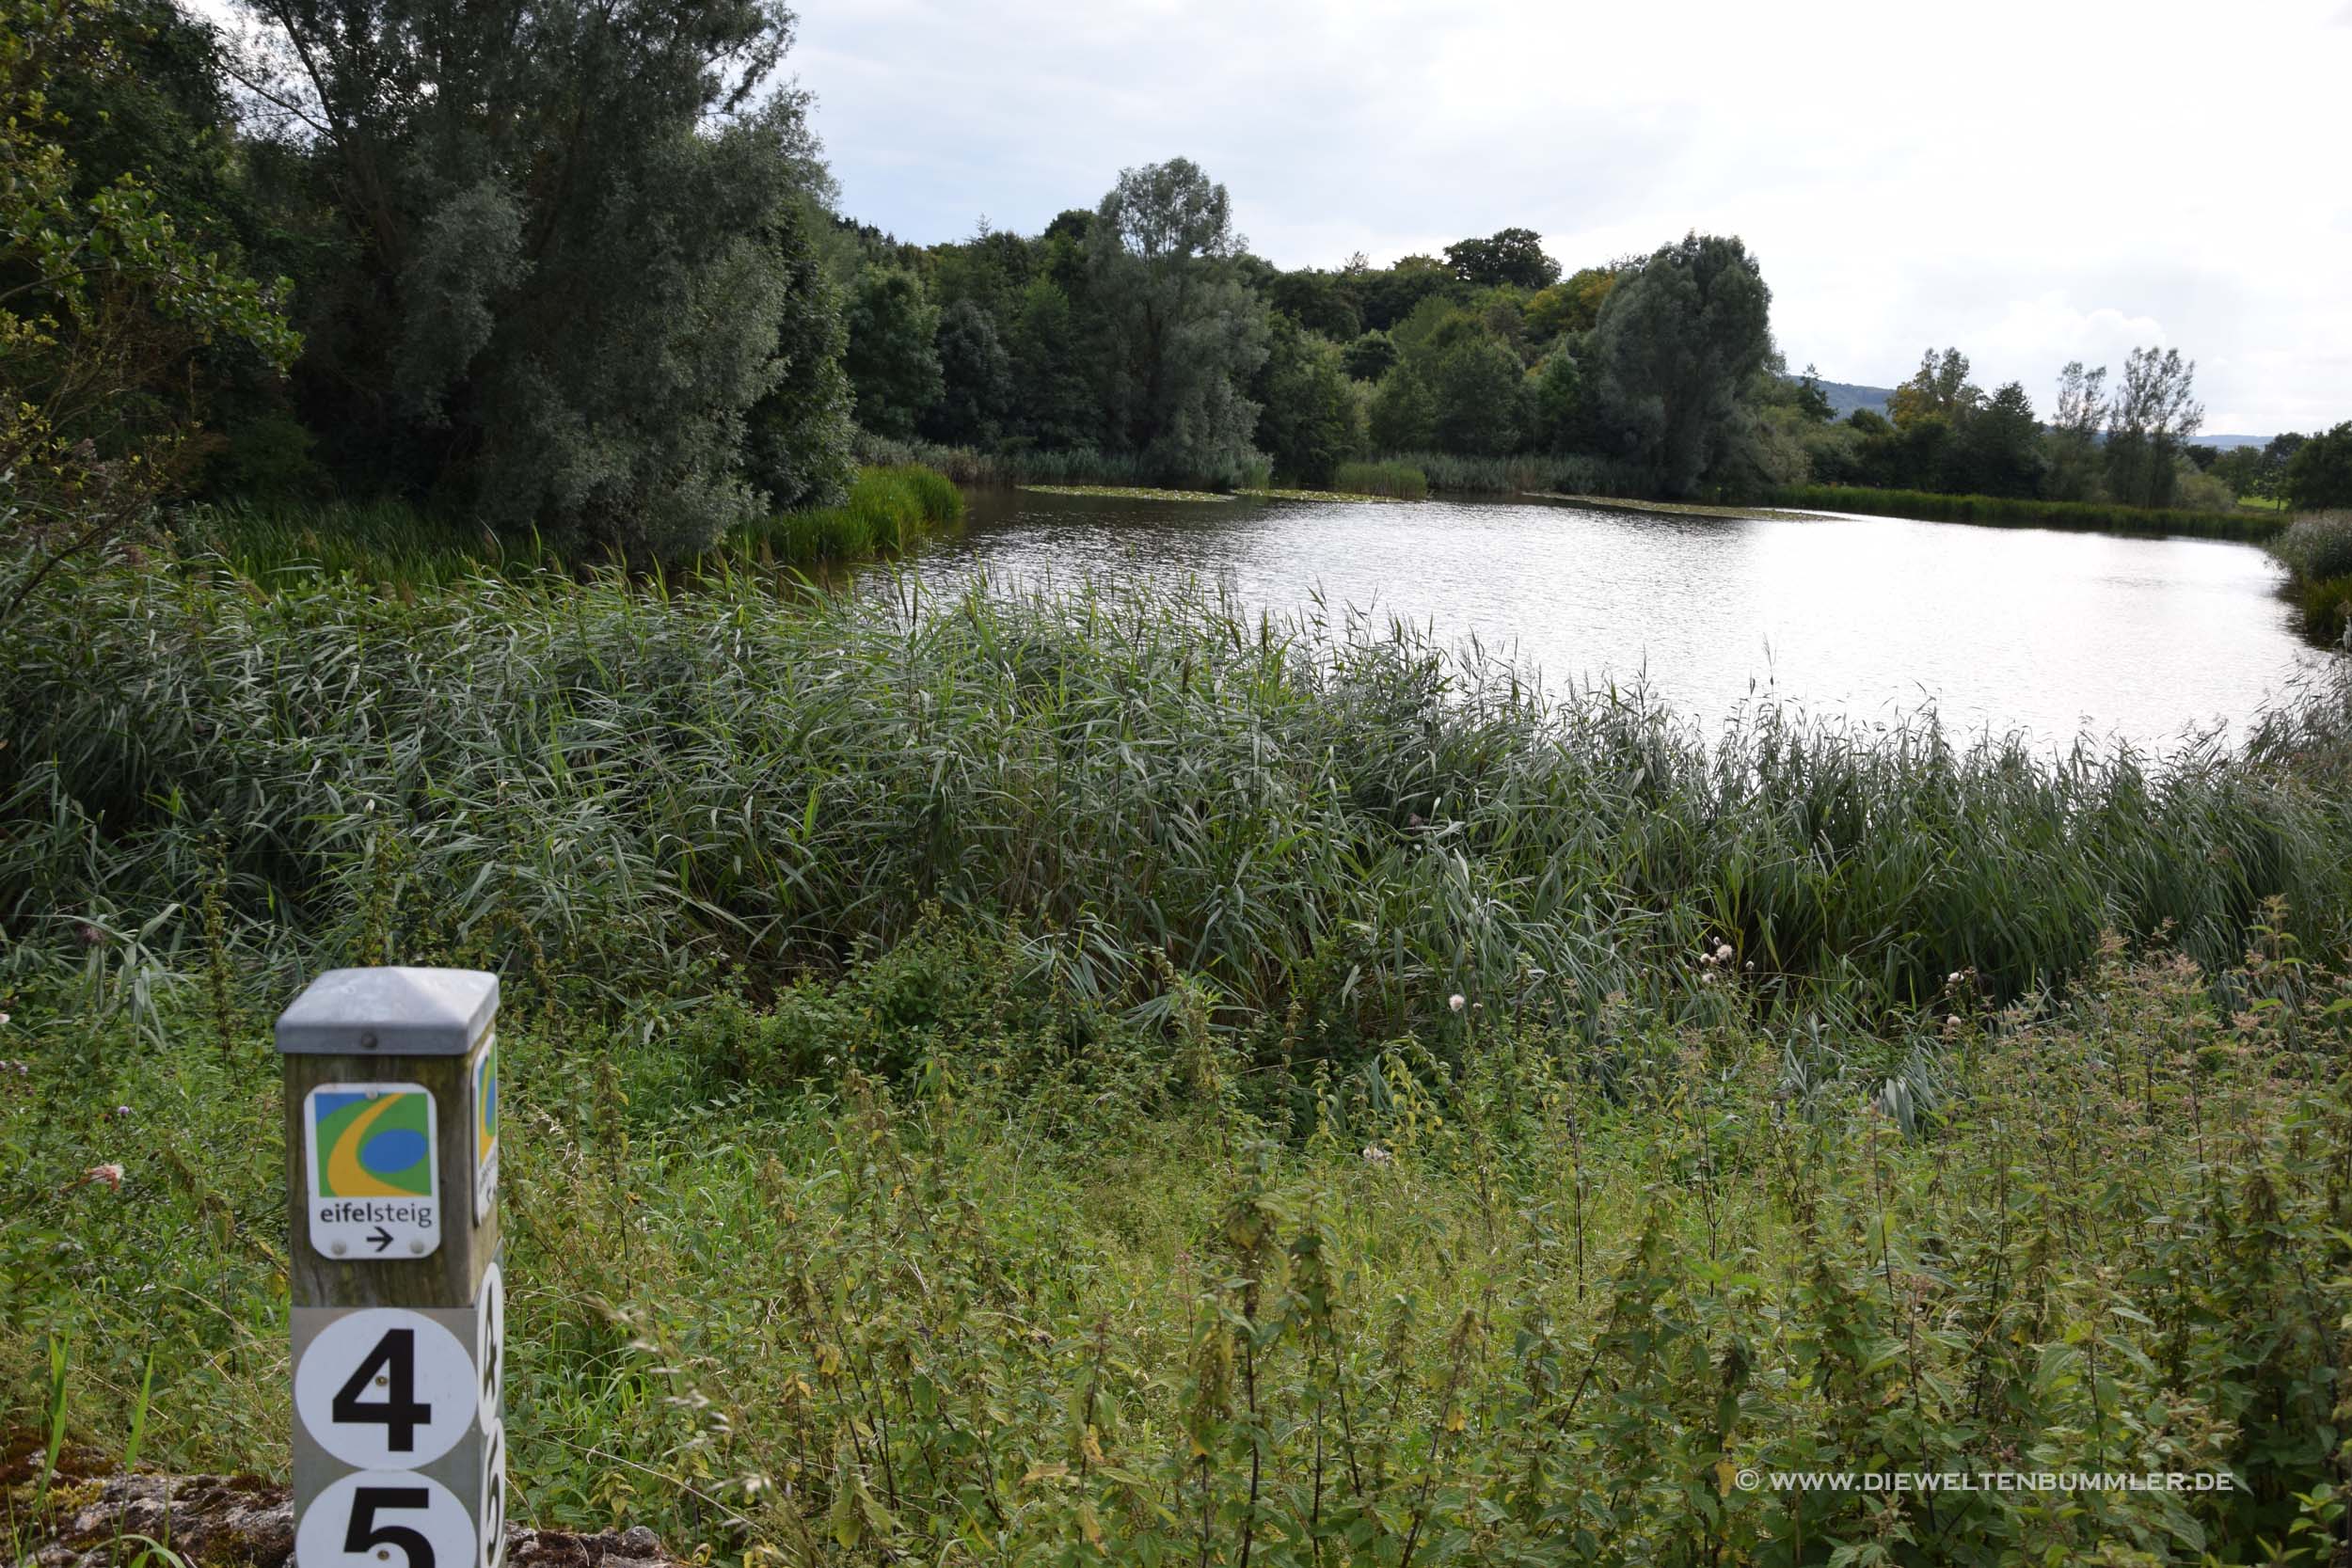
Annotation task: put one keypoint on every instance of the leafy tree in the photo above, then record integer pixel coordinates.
(1938, 389)
(1573, 304)
(1316, 300)
(1556, 407)
(2155, 412)
(1478, 387)
(1369, 357)
(1052, 397)
(104, 303)
(1402, 415)
(1388, 296)
(1676, 347)
(796, 445)
(893, 358)
(976, 376)
(991, 269)
(1998, 449)
(1308, 421)
(1812, 403)
(2320, 473)
(1182, 335)
(563, 292)
(2073, 440)
(1510, 256)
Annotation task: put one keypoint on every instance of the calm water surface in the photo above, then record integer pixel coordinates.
(2053, 634)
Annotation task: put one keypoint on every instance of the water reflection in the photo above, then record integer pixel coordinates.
(2055, 634)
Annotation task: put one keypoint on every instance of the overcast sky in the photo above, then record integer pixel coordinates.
(2034, 181)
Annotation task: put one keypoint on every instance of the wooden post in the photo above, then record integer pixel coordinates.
(398, 1303)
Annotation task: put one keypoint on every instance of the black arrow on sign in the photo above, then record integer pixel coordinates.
(381, 1237)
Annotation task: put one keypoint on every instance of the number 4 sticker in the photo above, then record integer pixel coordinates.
(383, 1388)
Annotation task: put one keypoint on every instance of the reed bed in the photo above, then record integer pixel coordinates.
(2011, 512)
(1089, 1078)
(640, 782)
(1402, 481)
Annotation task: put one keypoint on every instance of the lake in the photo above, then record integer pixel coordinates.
(2053, 634)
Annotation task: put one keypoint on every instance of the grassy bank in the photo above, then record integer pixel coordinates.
(2009, 512)
(887, 509)
(1094, 1080)
(2316, 552)
(943, 1260)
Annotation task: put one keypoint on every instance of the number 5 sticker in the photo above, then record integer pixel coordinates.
(385, 1519)
(383, 1388)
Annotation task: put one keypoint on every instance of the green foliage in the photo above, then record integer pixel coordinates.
(1054, 399)
(1998, 449)
(934, 1257)
(1511, 257)
(1677, 345)
(1556, 414)
(1400, 479)
(2014, 512)
(2316, 550)
(797, 437)
(1480, 395)
(1308, 421)
(771, 789)
(1371, 356)
(571, 270)
(886, 510)
(2320, 472)
(976, 376)
(893, 358)
(1402, 415)
(109, 305)
(2150, 417)
(1184, 336)
(2317, 546)
(1939, 391)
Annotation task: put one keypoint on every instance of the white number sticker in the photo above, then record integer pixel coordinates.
(383, 1388)
(494, 1497)
(385, 1519)
(489, 1317)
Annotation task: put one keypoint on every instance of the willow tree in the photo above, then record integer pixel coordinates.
(1675, 353)
(575, 263)
(1182, 335)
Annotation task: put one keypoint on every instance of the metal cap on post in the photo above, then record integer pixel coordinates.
(399, 1307)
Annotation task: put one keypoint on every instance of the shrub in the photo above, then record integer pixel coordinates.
(2317, 547)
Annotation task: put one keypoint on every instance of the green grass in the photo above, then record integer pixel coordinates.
(2006, 512)
(988, 1085)
(389, 541)
(1400, 479)
(942, 1260)
(384, 541)
(646, 782)
(886, 511)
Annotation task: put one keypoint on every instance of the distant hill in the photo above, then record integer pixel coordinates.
(1845, 397)
(2223, 443)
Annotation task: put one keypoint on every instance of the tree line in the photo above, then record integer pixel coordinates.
(576, 266)
(2131, 444)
